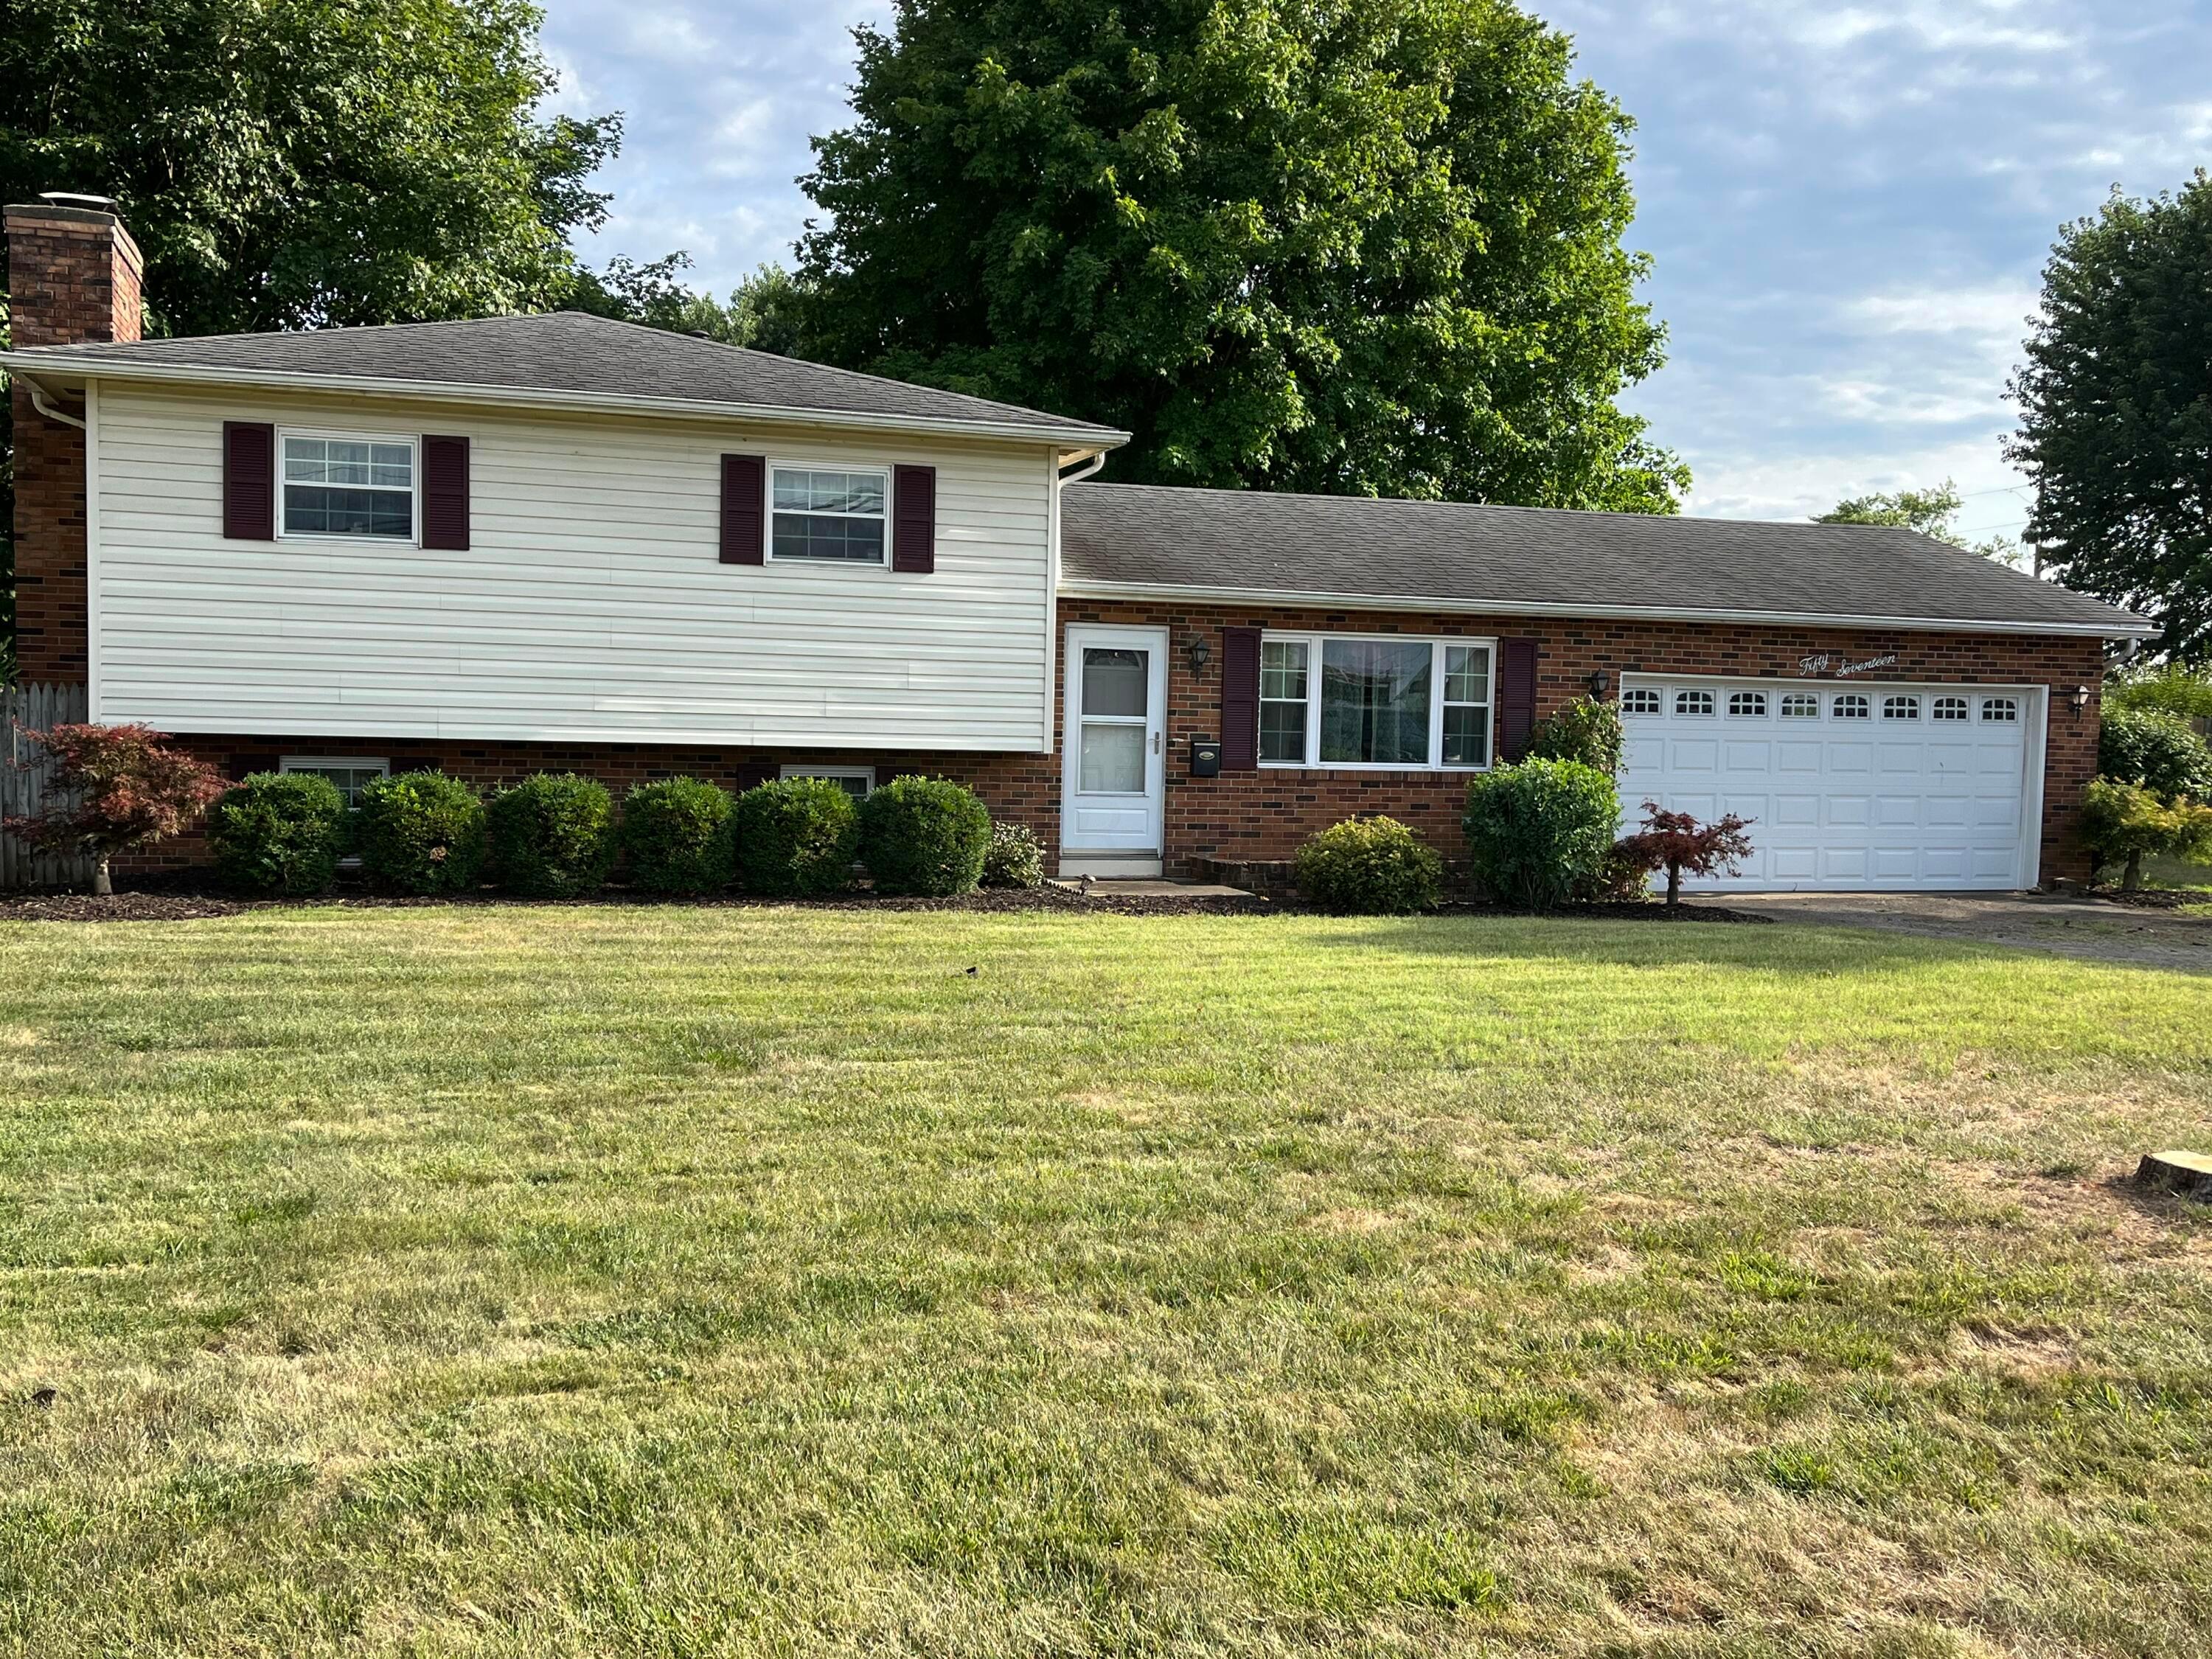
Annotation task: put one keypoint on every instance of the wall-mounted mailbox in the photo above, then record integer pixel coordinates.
(1205, 758)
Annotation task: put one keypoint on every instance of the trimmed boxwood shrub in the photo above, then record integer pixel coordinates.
(1540, 833)
(926, 836)
(420, 832)
(552, 835)
(676, 835)
(1585, 730)
(279, 832)
(797, 838)
(1370, 867)
(1015, 858)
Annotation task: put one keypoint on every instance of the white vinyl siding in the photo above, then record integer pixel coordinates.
(590, 605)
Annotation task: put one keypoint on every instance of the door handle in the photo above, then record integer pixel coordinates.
(1155, 742)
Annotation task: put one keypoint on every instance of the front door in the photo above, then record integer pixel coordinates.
(1114, 761)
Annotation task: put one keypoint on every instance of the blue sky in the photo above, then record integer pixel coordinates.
(1849, 204)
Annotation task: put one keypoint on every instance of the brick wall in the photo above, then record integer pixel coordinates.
(1264, 815)
(73, 277)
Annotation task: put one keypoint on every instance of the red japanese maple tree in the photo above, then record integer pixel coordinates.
(119, 789)
(1679, 844)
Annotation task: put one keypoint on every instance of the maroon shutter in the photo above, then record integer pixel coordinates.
(914, 519)
(445, 494)
(249, 481)
(744, 509)
(1240, 699)
(1516, 697)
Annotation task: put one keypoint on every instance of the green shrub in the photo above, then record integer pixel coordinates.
(420, 832)
(279, 832)
(2124, 823)
(2171, 688)
(1014, 859)
(1370, 867)
(552, 835)
(677, 834)
(2157, 750)
(924, 835)
(1587, 731)
(797, 838)
(1541, 833)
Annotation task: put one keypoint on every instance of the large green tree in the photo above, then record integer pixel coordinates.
(2116, 412)
(286, 163)
(1931, 512)
(1344, 246)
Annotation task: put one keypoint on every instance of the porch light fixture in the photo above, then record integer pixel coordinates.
(1597, 682)
(2080, 698)
(1200, 654)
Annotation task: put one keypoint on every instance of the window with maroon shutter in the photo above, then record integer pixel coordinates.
(744, 509)
(1240, 699)
(249, 481)
(753, 773)
(445, 494)
(914, 519)
(1516, 698)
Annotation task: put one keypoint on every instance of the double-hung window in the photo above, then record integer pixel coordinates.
(347, 486)
(347, 774)
(832, 515)
(1347, 700)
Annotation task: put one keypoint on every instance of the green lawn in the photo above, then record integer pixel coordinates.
(675, 1281)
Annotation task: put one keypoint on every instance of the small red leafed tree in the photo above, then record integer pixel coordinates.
(1679, 844)
(120, 788)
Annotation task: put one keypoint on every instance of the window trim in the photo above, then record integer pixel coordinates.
(799, 769)
(413, 536)
(772, 464)
(379, 764)
(1316, 641)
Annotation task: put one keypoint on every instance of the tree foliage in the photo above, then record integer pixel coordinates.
(764, 312)
(1341, 245)
(118, 788)
(2116, 412)
(1681, 844)
(2124, 823)
(1931, 512)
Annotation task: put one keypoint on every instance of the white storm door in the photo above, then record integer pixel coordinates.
(1115, 767)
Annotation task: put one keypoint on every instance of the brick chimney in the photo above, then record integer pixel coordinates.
(74, 276)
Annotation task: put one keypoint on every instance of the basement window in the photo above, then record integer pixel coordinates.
(854, 781)
(348, 772)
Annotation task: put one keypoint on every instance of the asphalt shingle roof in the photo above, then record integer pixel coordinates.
(1534, 558)
(567, 351)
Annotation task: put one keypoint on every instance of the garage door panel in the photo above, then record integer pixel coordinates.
(1896, 803)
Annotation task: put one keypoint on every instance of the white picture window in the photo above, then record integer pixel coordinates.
(1853, 706)
(1380, 701)
(348, 772)
(1748, 705)
(1801, 706)
(830, 515)
(337, 485)
(855, 780)
(1693, 702)
(1999, 709)
(1643, 700)
(1900, 709)
(1947, 709)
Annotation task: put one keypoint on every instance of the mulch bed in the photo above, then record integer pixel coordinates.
(2155, 898)
(177, 901)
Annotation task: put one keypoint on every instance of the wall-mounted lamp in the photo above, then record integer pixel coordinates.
(1200, 654)
(2080, 698)
(1597, 683)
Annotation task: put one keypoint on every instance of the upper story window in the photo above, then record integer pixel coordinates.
(1338, 700)
(347, 486)
(837, 516)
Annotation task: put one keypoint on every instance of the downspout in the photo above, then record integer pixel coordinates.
(39, 402)
(1097, 459)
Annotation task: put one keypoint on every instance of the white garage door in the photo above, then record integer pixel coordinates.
(1850, 784)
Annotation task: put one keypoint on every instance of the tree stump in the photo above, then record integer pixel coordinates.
(2188, 1173)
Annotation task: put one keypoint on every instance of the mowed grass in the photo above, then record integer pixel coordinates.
(669, 1281)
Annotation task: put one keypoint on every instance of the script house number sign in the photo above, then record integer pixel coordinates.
(1843, 668)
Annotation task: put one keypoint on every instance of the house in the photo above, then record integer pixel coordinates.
(559, 542)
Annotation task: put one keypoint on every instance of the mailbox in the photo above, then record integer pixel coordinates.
(1205, 758)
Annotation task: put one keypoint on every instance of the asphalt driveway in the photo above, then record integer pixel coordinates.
(2070, 924)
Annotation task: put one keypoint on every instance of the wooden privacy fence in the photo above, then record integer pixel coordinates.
(26, 782)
